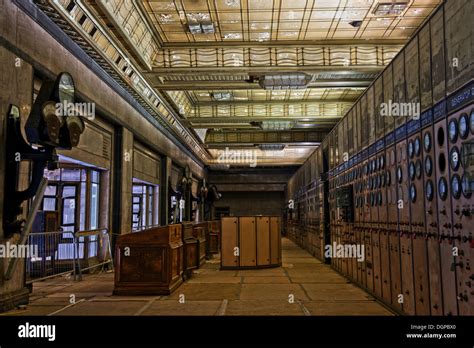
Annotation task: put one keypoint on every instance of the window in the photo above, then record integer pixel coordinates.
(144, 205)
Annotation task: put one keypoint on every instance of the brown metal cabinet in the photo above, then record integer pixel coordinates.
(263, 240)
(199, 232)
(229, 241)
(248, 241)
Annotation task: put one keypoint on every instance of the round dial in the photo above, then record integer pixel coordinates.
(382, 180)
(427, 142)
(418, 169)
(471, 121)
(417, 146)
(463, 126)
(442, 188)
(399, 174)
(453, 130)
(454, 158)
(429, 190)
(411, 149)
(377, 181)
(382, 162)
(411, 171)
(389, 178)
(413, 193)
(372, 166)
(428, 166)
(466, 186)
(379, 198)
(456, 186)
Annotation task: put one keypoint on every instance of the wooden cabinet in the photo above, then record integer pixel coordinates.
(149, 262)
(199, 232)
(250, 242)
(191, 249)
(229, 242)
(213, 237)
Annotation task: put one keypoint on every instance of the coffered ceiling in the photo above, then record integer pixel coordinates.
(245, 73)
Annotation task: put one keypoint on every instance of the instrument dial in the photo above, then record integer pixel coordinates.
(442, 188)
(453, 130)
(456, 186)
(463, 126)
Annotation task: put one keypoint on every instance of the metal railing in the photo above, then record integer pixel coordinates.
(63, 252)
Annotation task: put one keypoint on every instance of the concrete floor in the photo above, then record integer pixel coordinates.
(303, 286)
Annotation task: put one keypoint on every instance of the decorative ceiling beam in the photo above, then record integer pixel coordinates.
(227, 85)
(257, 70)
(303, 137)
(288, 43)
(344, 100)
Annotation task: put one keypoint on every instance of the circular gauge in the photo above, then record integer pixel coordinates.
(463, 126)
(399, 174)
(442, 188)
(428, 166)
(379, 198)
(427, 141)
(454, 158)
(411, 149)
(372, 166)
(417, 146)
(456, 186)
(418, 169)
(471, 121)
(382, 180)
(429, 190)
(411, 171)
(466, 186)
(382, 162)
(377, 181)
(453, 130)
(413, 193)
(388, 176)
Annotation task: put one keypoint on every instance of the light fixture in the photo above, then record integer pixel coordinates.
(200, 23)
(285, 81)
(390, 8)
(274, 125)
(222, 96)
(271, 147)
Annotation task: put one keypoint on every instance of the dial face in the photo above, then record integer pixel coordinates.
(466, 186)
(418, 169)
(442, 188)
(454, 158)
(413, 193)
(453, 130)
(411, 149)
(411, 171)
(463, 126)
(429, 190)
(428, 166)
(427, 142)
(389, 178)
(471, 121)
(372, 166)
(417, 146)
(399, 174)
(382, 161)
(456, 186)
